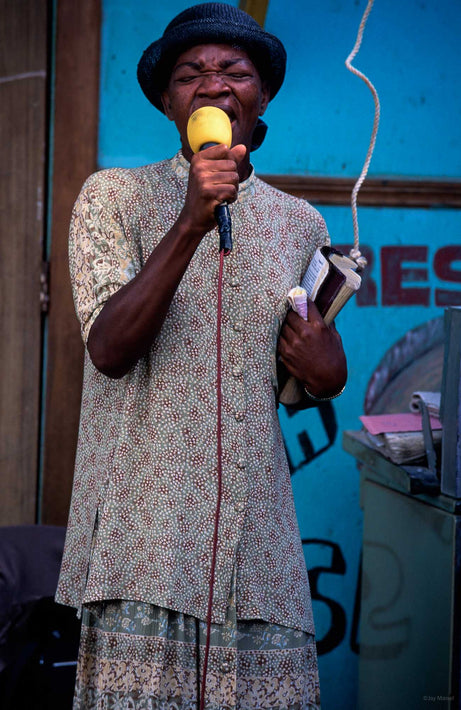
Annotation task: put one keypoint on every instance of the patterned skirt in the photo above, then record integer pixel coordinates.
(137, 656)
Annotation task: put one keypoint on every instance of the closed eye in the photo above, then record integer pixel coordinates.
(186, 79)
(238, 76)
(232, 76)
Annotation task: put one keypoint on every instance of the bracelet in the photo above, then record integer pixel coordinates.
(324, 399)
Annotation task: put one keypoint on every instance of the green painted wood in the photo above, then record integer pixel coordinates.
(375, 467)
(407, 608)
(451, 404)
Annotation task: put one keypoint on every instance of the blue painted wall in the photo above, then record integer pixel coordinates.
(323, 113)
(322, 117)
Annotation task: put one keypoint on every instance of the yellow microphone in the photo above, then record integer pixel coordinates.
(206, 127)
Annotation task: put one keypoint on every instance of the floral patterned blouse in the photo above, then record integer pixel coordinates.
(145, 487)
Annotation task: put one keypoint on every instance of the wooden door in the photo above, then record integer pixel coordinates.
(23, 98)
(49, 76)
(74, 155)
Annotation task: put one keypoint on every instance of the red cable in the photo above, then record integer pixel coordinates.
(219, 471)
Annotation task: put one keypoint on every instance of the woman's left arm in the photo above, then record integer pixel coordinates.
(313, 353)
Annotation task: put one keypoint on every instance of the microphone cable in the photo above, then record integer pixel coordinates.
(223, 251)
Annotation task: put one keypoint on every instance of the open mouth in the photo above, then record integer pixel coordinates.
(227, 110)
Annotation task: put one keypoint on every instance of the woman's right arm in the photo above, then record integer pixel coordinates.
(131, 319)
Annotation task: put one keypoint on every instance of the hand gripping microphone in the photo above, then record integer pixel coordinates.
(209, 126)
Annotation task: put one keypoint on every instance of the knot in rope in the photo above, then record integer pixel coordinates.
(358, 257)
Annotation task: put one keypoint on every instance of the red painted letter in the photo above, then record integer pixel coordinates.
(443, 261)
(394, 275)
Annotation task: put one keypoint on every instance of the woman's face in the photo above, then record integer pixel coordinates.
(216, 75)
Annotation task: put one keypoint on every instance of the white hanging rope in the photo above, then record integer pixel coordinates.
(355, 251)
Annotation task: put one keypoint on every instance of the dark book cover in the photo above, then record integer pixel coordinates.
(331, 285)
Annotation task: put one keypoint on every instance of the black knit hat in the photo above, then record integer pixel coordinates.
(207, 23)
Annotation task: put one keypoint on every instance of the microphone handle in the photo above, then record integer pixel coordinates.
(222, 217)
(224, 227)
